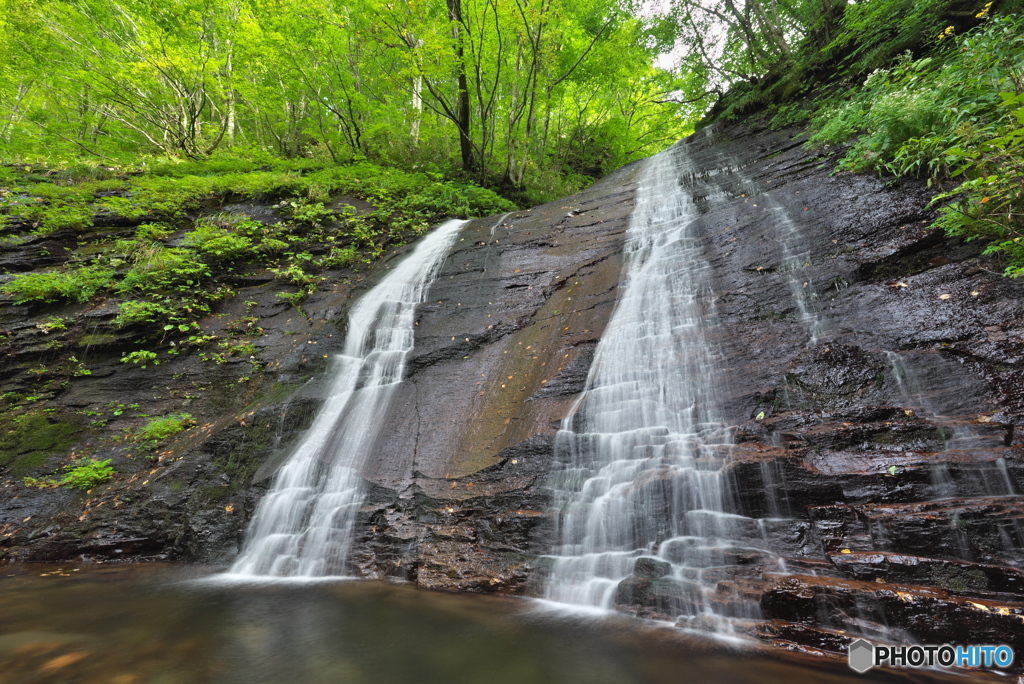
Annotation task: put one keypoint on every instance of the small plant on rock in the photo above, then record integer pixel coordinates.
(141, 357)
(88, 475)
(83, 476)
(159, 429)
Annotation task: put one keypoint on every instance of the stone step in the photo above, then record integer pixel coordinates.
(772, 481)
(929, 615)
(959, 577)
(980, 529)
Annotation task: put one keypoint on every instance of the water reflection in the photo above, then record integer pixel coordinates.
(154, 625)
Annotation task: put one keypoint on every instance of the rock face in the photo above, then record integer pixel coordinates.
(873, 371)
(881, 457)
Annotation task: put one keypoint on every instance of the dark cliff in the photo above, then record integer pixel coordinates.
(883, 459)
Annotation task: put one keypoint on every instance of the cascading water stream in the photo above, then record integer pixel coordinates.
(961, 437)
(795, 257)
(303, 526)
(644, 449)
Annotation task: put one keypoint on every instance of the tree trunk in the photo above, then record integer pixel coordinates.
(463, 111)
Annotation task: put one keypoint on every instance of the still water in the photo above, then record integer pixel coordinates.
(151, 624)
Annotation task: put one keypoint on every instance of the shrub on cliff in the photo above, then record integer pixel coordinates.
(955, 118)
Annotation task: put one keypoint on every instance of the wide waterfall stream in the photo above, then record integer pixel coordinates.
(303, 526)
(642, 493)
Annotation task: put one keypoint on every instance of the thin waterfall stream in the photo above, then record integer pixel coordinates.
(303, 526)
(642, 492)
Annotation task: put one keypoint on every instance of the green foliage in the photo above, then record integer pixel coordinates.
(64, 217)
(528, 97)
(75, 284)
(874, 32)
(87, 475)
(151, 232)
(304, 211)
(164, 290)
(164, 427)
(990, 204)
(892, 108)
(219, 243)
(956, 118)
(141, 357)
(124, 207)
(173, 287)
(53, 323)
(340, 258)
(395, 190)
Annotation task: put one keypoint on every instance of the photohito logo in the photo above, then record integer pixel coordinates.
(864, 655)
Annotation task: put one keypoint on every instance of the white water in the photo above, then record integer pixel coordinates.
(303, 526)
(645, 445)
(796, 259)
(962, 437)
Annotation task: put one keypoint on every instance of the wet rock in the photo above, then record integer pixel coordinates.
(827, 640)
(986, 530)
(972, 579)
(835, 375)
(651, 568)
(930, 616)
(633, 591)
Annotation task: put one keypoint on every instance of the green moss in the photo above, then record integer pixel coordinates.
(159, 429)
(29, 439)
(75, 284)
(920, 436)
(97, 340)
(959, 579)
(280, 391)
(212, 493)
(79, 475)
(247, 454)
(29, 463)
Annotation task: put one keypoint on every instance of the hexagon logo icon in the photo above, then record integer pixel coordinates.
(861, 655)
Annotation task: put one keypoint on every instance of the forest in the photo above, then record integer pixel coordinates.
(533, 99)
(517, 95)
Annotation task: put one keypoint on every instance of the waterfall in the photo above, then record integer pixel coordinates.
(961, 437)
(641, 490)
(303, 526)
(796, 257)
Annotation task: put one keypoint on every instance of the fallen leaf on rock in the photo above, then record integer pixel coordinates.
(64, 660)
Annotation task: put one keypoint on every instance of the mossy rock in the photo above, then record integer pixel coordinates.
(211, 494)
(959, 580)
(29, 440)
(98, 340)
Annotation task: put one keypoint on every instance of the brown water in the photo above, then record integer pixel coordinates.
(127, 625)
